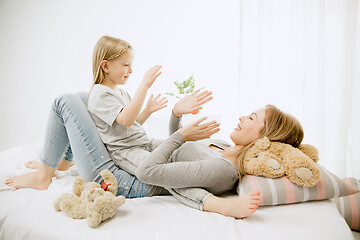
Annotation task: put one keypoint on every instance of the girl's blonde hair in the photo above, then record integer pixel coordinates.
(278, 126)
(106, 48)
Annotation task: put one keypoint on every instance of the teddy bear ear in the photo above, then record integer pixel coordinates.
(78, 186)
(263, 143)
(310, 151)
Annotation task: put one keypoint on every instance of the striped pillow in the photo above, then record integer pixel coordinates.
(275, 191)
(349, 208)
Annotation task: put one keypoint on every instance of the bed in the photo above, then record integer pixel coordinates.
(29, 214)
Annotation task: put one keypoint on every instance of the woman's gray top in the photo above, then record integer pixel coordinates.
(188, 169)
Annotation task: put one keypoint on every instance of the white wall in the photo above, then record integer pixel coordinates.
(299, 55)
(46, 49)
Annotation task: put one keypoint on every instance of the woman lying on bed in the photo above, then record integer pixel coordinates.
(186, 166)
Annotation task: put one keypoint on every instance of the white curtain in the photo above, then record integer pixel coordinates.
(304, 56)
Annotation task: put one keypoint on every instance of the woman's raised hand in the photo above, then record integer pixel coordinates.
(195, 131)
(191, 103)
(151, 75)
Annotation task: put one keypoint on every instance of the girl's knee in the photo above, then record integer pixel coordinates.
(67, 101)
(64, 98)
(82, 95)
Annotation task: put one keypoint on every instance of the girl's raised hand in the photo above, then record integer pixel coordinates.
(191, 103)
(155, 104)
(195, 131)
(151, 75)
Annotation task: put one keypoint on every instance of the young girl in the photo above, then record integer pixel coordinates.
(115, 114)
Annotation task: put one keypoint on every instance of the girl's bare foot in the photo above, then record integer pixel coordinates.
(242, 206)
(33, 164)
(29, 180)
(40, 179)
(63, 165)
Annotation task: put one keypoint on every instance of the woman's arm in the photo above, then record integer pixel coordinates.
(156, 170)
(191, 103)
(188, 104)
(174, 123)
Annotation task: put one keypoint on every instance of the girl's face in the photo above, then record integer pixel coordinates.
(248, 128)
(120, 69)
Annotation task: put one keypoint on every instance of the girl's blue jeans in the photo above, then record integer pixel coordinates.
(71, 132)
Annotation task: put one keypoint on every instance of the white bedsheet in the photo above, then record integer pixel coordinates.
(29, 214)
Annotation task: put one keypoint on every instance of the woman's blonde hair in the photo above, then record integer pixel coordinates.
(106, 48)
(279, 127)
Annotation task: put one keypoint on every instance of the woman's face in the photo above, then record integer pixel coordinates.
(119, 69)
(248, 128)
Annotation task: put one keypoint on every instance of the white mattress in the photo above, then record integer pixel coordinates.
(29, 214)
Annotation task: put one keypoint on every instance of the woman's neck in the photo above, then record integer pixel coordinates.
(232, 153)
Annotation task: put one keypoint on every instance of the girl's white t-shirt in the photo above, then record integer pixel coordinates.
(104, 104)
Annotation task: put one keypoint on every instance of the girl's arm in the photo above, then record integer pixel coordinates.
(153, 105)
(128, 114)
(188, 104)
(143, 116)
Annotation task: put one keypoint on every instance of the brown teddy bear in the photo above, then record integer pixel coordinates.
(91, 200)
(276, 159)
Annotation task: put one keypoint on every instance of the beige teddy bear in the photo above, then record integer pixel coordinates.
(90, 200)
(275, 159)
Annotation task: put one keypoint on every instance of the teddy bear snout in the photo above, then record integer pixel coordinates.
(273, 163)
(304, 173)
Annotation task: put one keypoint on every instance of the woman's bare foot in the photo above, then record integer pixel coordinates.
(243, 206)
(237, 207)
